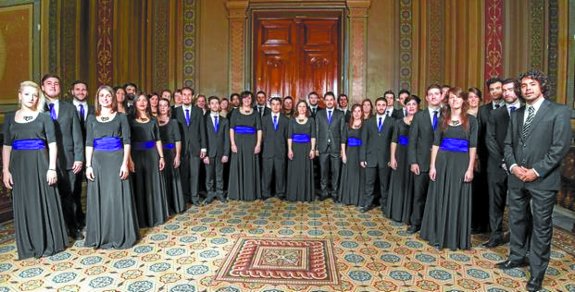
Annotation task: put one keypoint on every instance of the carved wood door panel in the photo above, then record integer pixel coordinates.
(295, 56)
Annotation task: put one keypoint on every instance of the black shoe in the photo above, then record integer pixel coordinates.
(208, 200)
(76, 234)
(491, 243)
(364, 209)
(413, 229)
(196, 203)
(509, 264)
(534, 284)
(223, 200)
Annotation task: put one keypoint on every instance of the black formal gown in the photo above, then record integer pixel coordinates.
(170, 134)
(38, 218)
(352, 182)
(447, 216)
(300, 181)
(400, 201)
(149, 181)
(111, 220)
(245, 175)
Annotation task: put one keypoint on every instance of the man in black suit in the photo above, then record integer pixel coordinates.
(274, 150)
(287, 107)
(401, 112)
(70, 153)
(218, 143)
(496, 170)
(390, 98)
(313, 103)
(484, 112)
(423, 126)
(538, 138)
(342, 105)
(374, 154)
(194, 146)
(261, 107)
(330, 127)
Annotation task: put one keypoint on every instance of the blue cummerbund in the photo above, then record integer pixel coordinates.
(353, 142)
(454, 145)
(28, 144)
(244, 130)
(144, 145)
(403, 140)
(108, 144)
(300, 138)
(169, 146)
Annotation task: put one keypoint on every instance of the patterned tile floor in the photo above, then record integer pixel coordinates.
(185, 254)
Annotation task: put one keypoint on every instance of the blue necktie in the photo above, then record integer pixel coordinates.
(52, 112)
(512, 109)
(82, 112)
(329, 117)
(216, 124)
(187, 117)
(435, 120)
(275, 123)
(380, 124)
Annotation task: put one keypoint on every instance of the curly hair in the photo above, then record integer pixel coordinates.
(535, 75)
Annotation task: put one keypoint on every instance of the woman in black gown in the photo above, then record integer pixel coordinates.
(301, 145)
(245, 140)
(352, 180)
(171, 141)
(447, 216)
(147, 164)
(111, 220)
(400, 201)
(29, 170)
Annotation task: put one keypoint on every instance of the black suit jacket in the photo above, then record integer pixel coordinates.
(311, 113)
(266, 109)
(90, 111)
(544, 147)
(218, 144)
(375, 145)
(495, 138)
(421, 139)
(398, 113)
(274, 143)
(329, 134)
(68, 135)
(483, 116)
(194, 135)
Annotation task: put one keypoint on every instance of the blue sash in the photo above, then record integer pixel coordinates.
(454, 145)
(28, 144)
(300, 138)
(169, 146)
(108, 144)
(145, 145)
(353, 142)
(403, 140)
(244, 130)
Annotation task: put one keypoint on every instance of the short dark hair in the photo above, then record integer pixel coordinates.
(340, 96)
(314, 93)
(493, 80)
(234, 94)
(536, 75)
(212, 98)
(516, 85)
(261, 92)
(288, 97)
(78, 82)
(329, 93)
(381, 98)
(389, 92)
(432, 86)
(276, 99)
(403, 91)
(188, 88)
(131, 84)
(50, 75)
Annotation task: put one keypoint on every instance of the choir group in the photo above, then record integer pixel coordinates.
(445, 171)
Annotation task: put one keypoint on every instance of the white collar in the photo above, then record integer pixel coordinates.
(537, 104)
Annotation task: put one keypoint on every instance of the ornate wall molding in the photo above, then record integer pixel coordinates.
(104, 25)
(53, 37)
(435, 42)
(493, 39)
(190, 43)
(553, 49)
(160, 33)
(358, 48)
(537, 33)
(237, 21)
(68, 37)
(405, 44)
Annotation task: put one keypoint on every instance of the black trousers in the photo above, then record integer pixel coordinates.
(190, 172)
(371, 173)
(330, 164)
(70, 189)
(420, 186)
(273, 169)
(531, 226)
(215, 178)
(497, 188)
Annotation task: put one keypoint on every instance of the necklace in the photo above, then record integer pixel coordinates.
(454, 122)
(28, 118)
(105, 119)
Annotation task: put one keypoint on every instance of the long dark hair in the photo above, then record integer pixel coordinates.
(353, 107)
(464, 107)
(148, 109)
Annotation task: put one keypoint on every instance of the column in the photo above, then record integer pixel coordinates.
(358, 48)
(237, 19)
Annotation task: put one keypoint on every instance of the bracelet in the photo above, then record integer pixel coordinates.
(51, 169)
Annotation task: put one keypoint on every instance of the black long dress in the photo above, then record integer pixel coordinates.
(170, 135)
(245, 180)
(38, 218)
(300, 182)
(480, 196)
(352, 182)
(447, 216)
(111, 220)
(149, 181)
(399, 203)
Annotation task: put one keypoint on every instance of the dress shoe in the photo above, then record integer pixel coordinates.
(196, 203)
(534, 284)
(413, 229)
(76, 234)
(509, 264)
(364, 209)
(491, 243)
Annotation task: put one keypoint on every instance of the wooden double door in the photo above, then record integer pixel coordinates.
(297, 55)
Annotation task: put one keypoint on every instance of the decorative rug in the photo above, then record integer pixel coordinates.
(280, 261)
